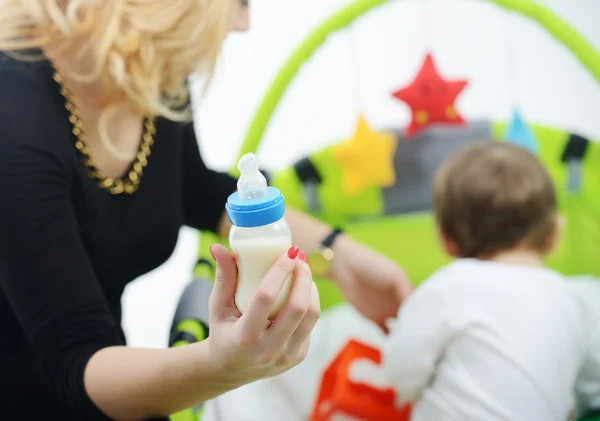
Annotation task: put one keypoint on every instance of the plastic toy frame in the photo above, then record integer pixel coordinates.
(561, 31)
(552, 23)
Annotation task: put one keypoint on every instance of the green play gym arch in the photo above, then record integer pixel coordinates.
(584, 210)
(557, 27)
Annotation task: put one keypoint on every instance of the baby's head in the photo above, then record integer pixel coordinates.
(492, 198)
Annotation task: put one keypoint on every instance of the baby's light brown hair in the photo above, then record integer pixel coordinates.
(492, 197)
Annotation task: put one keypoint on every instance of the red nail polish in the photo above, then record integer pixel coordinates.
(293, 252)
(237, 268)
(211, 253)
(302, 257)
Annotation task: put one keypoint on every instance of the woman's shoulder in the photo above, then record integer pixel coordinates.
(25, 71)
(33, 122)
(29, 102)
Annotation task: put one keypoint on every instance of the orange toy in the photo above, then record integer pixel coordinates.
(339, 394)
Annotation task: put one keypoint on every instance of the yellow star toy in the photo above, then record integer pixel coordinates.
(367, 159)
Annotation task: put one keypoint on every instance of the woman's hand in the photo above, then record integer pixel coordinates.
(372, 283)
(249, 346)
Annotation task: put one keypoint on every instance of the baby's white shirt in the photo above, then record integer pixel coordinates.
(587, 385)
(485, 341)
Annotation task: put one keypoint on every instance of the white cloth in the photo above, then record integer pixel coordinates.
(487, 341)
(587, 386)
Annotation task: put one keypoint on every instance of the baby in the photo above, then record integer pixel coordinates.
(494, 335)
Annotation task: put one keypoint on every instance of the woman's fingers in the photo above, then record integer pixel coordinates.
(259, 307)
(294, 310)
(222, 296)
(297, 346)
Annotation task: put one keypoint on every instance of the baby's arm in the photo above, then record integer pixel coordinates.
(417, 342)
(587, 386)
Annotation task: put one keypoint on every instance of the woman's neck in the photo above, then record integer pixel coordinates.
(91, 97)
(113, 142)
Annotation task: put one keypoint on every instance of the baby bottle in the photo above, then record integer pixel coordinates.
(259, 233)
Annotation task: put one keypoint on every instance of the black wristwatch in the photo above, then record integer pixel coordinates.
(320, 259)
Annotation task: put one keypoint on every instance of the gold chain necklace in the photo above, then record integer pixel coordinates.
(115, 186)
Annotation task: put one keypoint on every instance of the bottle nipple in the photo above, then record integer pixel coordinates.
(251, 184)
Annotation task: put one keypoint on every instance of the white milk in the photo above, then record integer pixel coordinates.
(254, 258)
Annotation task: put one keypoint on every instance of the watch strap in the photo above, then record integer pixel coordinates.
(330, 239)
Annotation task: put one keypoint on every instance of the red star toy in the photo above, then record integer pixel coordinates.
(431, 98)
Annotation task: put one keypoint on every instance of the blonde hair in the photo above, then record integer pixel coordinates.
(141, 50)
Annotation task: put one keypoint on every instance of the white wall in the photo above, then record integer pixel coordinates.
(469, 38)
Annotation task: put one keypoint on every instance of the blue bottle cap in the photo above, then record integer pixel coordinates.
(257, 212)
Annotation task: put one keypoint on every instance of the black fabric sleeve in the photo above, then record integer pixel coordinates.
(45, 272)
(206, 191)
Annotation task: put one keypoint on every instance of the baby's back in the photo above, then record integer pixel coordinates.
(517, 347)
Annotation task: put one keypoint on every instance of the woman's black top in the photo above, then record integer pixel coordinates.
(68, 248)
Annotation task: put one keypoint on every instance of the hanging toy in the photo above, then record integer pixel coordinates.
(518, 133)
(367, 159)
(339, 395)
(431, 98)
